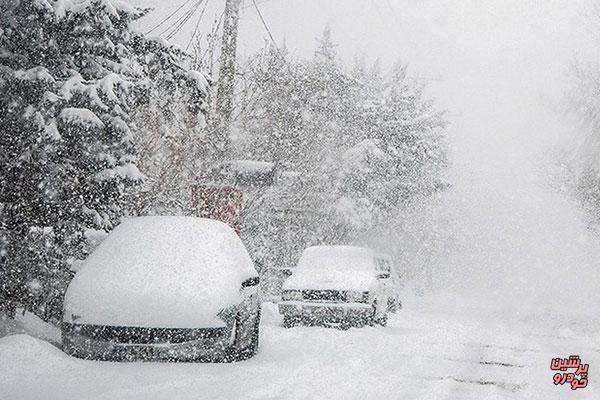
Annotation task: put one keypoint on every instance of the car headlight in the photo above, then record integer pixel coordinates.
(291, 295)
(357, 297)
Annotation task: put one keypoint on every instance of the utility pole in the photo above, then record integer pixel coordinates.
(220, 124)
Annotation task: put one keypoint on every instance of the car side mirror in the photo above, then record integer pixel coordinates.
(254, 281)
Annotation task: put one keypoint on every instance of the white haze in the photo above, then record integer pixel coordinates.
(499, 68)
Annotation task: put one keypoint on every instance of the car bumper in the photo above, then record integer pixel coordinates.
(326, 312)
(204, 349)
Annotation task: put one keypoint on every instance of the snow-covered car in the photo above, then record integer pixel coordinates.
(164, 289)
(336, 285)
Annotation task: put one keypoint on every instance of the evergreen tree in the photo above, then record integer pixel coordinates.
(411, 130)
(353, 148)
(329, 101)
(71, 73)
(272, 106)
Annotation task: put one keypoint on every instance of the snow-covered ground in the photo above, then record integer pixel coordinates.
(435, 348)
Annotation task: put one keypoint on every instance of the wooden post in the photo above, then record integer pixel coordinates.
(220, 123)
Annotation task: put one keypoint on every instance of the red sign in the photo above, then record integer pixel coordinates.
(223, 203)
(577, 378)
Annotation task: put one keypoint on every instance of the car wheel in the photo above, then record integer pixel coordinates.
(382, 320)
(378, 319)
(392, 305)
(289, 321)
(234, 353)
(346, 324)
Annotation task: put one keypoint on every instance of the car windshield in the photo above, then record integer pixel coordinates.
(337, 258)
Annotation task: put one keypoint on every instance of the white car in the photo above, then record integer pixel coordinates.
(165, 289)
(336, 285)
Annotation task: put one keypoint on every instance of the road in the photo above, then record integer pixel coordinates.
(434, 348)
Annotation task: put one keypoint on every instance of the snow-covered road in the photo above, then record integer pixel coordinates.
(433, 349)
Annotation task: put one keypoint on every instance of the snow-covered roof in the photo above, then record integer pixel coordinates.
(175, 272)
(334, 267)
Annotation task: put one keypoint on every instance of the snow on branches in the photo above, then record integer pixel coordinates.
(353, 149)
(73, 74)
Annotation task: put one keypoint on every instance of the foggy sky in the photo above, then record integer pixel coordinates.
(490, 59)
(499, 68)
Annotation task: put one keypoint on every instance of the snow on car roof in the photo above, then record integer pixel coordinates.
(175, 272)
(333, 257)
(334, 267)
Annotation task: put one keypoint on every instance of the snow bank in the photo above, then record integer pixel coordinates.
(23, 350)
(175, 272)
(334, 267)
(429, 351)
(34, 326)
(28, 323)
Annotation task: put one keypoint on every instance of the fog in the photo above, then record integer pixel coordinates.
(116, 145)
(506, 232)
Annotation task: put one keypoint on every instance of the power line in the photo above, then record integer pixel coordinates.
(176, 26)
(264, 23)
(168, 17)
(259, 3)
(216, 29)
(187, 17)
(177, 21)
(197, 25)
